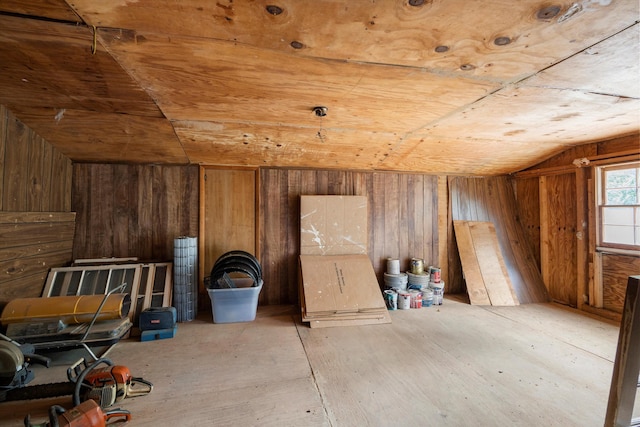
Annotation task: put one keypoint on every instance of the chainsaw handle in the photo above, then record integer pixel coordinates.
(36, 358)
(114, 413)
(134, 382)
(80, 378)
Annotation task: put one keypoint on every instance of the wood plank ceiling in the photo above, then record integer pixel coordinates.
(479, 87)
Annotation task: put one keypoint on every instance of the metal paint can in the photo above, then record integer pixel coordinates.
(438, 292)
(404, 300)
(393, 266)
(391, 299)
(417, 266)
(427, 297)
(435, 274)
(416, 299)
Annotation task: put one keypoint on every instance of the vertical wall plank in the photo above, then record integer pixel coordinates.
(47, 185)
(121, 209)
(144, 206)
(528, 201)
(17, 149)
(34, 173)
(3, 142)
(274, 257)
(445, 233)
(558, 253)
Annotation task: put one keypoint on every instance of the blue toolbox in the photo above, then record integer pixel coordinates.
(156, 318)
(158, 334)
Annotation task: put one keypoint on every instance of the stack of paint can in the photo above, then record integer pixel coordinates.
(418, 278)
(427, 297)
(436, 285)
(393, 278)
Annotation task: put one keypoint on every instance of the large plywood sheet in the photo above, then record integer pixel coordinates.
(472, 273)
(333, 225)
(483, 264)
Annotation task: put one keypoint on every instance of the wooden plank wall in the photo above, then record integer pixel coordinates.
(36, 228)
(616, 270)
(528, 190)
(34, 175)
(493, 199)
(133, 210)
(549, 196)
(30, 244)
(403, 220)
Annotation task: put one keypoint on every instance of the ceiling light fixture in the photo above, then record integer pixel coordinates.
(274, 10)
(320, 111)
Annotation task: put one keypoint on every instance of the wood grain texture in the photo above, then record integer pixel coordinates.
(384, 32)
(465, 365)
(559, 209)
(492, 266)
(409, 88)
(476, 288)
(52, 9)
(230, 214)
(34, 174)
(493, 199)
(30, 244)
(158, 206)
(616, 270)
(528, 204)
(81, 135)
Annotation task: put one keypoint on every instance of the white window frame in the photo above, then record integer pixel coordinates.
(613, 247)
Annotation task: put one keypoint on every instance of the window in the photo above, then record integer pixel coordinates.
(619, 206)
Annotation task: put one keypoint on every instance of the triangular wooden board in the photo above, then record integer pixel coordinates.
(485, 255)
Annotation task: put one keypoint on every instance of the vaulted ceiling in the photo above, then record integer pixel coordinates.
(478, 87)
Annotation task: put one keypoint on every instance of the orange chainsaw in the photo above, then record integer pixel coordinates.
(106, 385)
(87, 414)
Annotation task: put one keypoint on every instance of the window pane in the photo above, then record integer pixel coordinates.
(622, 196)
(618, 216)
(618, 234)
(621, 178)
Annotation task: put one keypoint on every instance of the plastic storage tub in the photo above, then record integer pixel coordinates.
(234, 305)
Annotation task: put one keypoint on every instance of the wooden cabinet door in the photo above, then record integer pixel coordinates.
(228, 214)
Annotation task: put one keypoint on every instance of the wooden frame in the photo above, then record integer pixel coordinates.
(624, 381)
(149, 284)
(601, 204)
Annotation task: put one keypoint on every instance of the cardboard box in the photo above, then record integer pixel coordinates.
(339, 285)
(333, 225)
